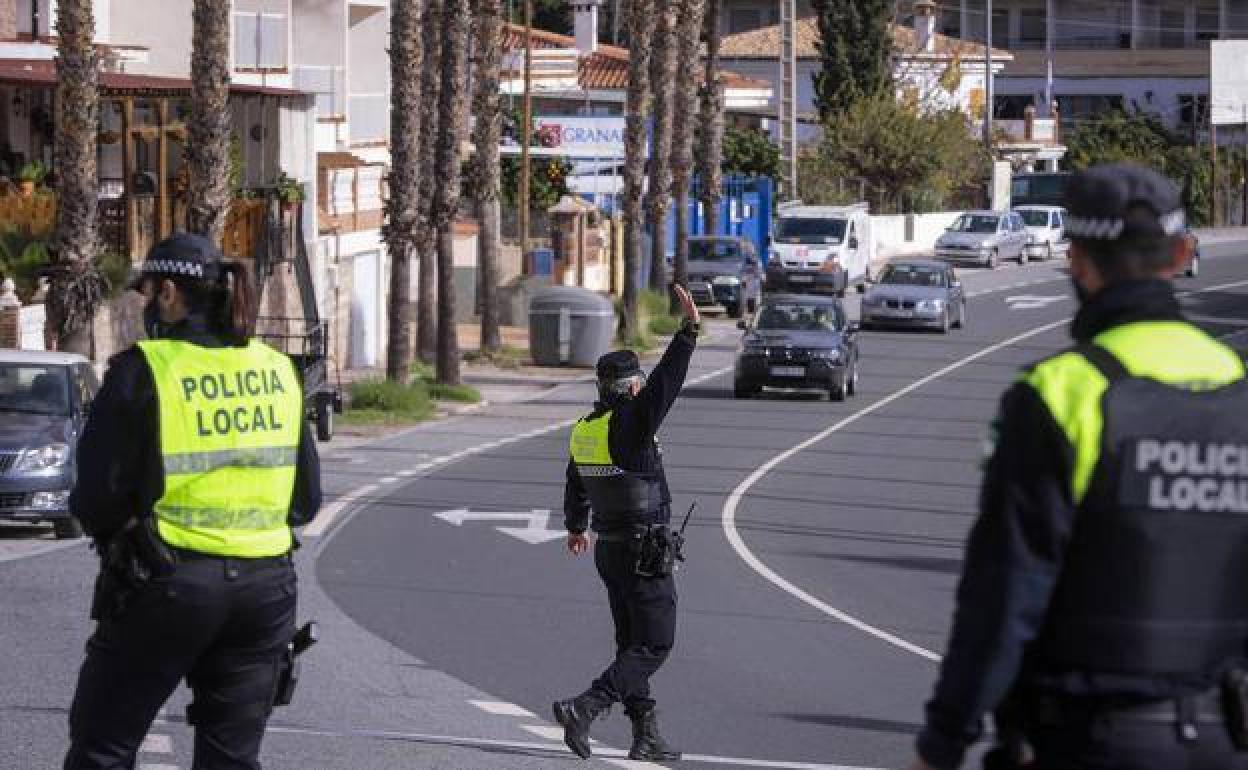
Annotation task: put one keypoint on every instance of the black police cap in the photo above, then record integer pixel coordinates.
(183, 255)
(1115, 200)
(618, 364)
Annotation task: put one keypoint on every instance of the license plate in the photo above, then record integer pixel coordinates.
(899, 313)
(802, 278)
(788, 371)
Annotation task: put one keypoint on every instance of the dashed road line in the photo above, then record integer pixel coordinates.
(331, 511)
(155, 743)
(503, 709)
(548, 732)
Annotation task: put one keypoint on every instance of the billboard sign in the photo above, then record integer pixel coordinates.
(582, 137)
(1228, 81)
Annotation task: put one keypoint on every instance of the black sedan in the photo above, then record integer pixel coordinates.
(798, 342)
(919, 292)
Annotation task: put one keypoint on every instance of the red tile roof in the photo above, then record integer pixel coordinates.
(607, 68)
(42, 72)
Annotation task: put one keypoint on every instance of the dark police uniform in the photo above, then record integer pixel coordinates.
(206, 444)
(616, 470)
(1103, 585)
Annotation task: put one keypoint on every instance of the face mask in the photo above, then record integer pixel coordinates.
(151, 320)
(1081, 293)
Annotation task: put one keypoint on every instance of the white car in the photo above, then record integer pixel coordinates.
(1046, 231)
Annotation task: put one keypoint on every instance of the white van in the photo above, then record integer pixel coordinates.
(820, 249)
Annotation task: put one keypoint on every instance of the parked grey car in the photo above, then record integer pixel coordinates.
(984, 237)
(724, 270)
(43, 404)
(923, 293)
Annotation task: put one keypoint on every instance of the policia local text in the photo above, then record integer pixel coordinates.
(1187, 476)
(247, 418)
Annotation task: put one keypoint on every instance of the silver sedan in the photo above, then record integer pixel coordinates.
(917, 293)
(984, 237)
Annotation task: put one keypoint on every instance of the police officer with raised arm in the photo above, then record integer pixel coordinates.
(616, 470)
(1104, 582)
(193, 465)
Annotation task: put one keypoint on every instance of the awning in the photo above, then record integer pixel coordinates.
(35, 73)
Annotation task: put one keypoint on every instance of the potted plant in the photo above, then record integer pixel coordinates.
(31, 176)
(289, 192)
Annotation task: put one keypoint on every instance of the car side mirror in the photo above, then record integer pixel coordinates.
(743, 326)
(853, 327)
(853, 243)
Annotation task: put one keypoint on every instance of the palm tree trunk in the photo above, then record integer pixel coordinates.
(659, 194)
(452, 130)
(431, 86)
(75, 291)
(712, 120)
(486, 167)
(641, 29)
(684, 102)
(403, 206)
(208, 146)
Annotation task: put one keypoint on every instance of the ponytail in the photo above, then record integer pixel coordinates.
(237, 295)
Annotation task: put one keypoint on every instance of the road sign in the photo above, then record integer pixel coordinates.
(1032, 302)
(1228, 81)
(535, 530)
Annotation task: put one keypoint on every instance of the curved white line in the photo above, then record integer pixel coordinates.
(729, 517)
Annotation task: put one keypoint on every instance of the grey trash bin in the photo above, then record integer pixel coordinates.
(569, 326)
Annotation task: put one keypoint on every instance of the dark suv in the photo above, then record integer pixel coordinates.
(43, 403)
(724, 270)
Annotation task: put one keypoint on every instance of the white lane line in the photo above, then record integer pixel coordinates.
(149, 766)
(636, 764)
(544, 731)
(41, 549)
(157, 744)
(389, 479)
(331, 511)
(729, 518)
(503, 709)
(553, 748)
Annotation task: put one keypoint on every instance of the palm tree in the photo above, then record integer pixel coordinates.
(688, 25)
(659, 194)
(711, 120)
(208, 145)
(403, 206)
(77, 288)
(640, 31)
(431, 86)
(452, 130)
(486, 176)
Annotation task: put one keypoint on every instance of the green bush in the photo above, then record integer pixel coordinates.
(465, 394)
(22, 256)
(664, 325)
(382, 401)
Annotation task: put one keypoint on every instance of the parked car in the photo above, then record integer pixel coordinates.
(43, 403)
(1193, 267)
(724, 270)
(798, 342)
(820, 249)
(984, 237)
(923, 293)
(1046, 230)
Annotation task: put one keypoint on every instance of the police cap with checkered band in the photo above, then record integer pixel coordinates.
(181, 255)
(1118, 201)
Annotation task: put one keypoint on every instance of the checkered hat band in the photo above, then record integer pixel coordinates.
(1110, 229)
(173, 267)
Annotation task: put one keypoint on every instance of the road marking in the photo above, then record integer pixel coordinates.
(149, 766)
(636, 764)
(1034, 302)
(41, 549)
(157, 744)
(548, 732)
(503, 709)
(537, 530)
(728, 519)
(331, 511)
(389, 479)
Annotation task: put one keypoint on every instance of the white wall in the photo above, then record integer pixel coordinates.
(368, 74)
(890, 233)
(163, 27)
(1153, 94)
(30, 327)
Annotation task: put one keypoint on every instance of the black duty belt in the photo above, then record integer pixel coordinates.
(1203, 708)
(186, 555)
(620, 535)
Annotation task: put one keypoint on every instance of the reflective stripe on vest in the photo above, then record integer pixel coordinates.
(230, 420)
(613, 491)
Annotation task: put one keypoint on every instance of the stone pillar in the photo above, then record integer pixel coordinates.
(8, 19)
(10, 315)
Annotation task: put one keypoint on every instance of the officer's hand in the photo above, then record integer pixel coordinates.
(578, 543)
(687, 304)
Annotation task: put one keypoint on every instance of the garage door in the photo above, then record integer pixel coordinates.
(366, 310)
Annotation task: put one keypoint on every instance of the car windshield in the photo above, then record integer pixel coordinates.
(802, 230)
(913, 275)
(715, 251)
(800, 316)
(1034, 217)
(34, 389)
(976, 223)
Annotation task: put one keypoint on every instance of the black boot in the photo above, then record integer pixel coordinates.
(647, 743)
(576, 714)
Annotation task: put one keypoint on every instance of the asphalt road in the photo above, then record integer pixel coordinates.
(823, 559)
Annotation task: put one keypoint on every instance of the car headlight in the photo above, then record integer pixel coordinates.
(727, 280)
(931, 305)
(831, 356)
(754, 350)
(47, 501)
(44, 458)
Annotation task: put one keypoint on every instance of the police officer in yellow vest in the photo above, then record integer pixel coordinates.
(193, 466)
(616, 470)
(1104, 583)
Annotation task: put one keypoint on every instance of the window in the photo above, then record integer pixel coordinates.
(260, 41)
(1193, 109)
(950, 22)
(744, 20)
(1011, 106)
(1088, 105)
(1032, 27)
(1208, 22)
(1173, 29)
(1000, 27)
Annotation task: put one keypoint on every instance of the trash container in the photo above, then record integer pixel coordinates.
(569, 326)
(542, 261)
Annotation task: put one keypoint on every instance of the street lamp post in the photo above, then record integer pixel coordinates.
(526, 131)
(989, 97)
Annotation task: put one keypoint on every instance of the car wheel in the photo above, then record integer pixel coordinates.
(961, 324)
(1193, 267)
(993, 259)
(852, 387)
(945, 322)
(1048, 251)
(67, 528)
(839, 390)
(324, 418)
(751, 306)
(737, 309)
(741, 390)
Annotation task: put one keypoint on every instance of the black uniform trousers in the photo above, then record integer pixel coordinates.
(223, 625)
(1113, 740)
(644, 611)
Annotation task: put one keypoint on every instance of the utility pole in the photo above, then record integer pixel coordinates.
(786, 100)
(1213, 156)
(989, 97)
(526, 131)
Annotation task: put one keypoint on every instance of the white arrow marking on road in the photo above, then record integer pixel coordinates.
(1033, 302)
(535, 532)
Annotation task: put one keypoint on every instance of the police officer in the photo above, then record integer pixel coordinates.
(1103, 584)
(616, 469)
(193, 465)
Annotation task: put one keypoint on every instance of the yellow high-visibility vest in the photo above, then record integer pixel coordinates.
(230, 421)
